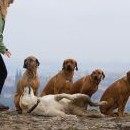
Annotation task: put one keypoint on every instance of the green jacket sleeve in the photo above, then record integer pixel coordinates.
(2, 46)
(2, 24)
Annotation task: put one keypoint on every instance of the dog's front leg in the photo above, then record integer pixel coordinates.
(59, 97)
(121, 107)
(16, 102)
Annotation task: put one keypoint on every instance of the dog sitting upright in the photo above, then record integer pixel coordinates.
(30, 77)
(88, 84)
(116, 95)
(61, 82)
(54, 105)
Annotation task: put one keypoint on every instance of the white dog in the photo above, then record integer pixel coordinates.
(55, 105)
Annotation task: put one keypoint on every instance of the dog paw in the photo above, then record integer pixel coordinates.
(103, 103)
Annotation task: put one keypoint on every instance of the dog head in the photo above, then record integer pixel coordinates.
(28, 91)
(69, 65)
(27, 99)
(97, 75)
(31, 62)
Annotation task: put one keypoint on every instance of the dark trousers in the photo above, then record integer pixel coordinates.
(3, 73)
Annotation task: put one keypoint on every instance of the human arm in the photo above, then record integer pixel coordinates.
(3, 48)
(7, 53)
(11, 1)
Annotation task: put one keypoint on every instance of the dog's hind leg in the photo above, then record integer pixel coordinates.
(108, 108)
(95, 104)
(56, 113)
(82, 100)
(121, 106)
(16, 102)
(80, 111)
(76, 110)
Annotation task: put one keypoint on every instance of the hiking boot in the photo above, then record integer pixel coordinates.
(3, 107)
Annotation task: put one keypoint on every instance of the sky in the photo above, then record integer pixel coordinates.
(89, 31)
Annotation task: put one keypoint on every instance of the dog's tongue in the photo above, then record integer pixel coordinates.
(98, 81)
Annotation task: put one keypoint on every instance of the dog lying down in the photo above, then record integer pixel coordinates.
(55, 105)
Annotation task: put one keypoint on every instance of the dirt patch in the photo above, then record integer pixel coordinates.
(10, 120)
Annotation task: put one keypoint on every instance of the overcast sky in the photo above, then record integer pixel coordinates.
(86, 30)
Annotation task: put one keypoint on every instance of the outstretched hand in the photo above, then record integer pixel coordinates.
(11, 1)
(7, 53)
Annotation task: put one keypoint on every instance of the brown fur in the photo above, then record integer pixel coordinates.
(29, 78)
(116, 96)
(61, 82)
(89, 84)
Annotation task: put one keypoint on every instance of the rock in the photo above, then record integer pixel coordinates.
(10, 120)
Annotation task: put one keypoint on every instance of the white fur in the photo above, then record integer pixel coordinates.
(49, 105)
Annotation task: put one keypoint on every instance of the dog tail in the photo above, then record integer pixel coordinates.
(101, 103)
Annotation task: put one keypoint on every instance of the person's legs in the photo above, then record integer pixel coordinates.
(3, 75)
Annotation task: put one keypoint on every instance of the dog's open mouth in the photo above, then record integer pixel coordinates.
(97, 80)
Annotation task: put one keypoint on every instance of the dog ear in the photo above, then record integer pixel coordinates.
(25, 63)
(76, 66)
(93, 72)
(103, 75)
(38, 63)
(63, 66)
(128, 76)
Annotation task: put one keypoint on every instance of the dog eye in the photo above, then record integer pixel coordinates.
(94, 72)
(71, 61)
(99, 73)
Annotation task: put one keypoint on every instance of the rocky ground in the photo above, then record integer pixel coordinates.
(10, 120)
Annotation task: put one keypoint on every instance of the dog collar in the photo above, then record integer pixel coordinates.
(34, 106)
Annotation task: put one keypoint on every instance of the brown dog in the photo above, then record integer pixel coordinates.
(29, 78)
(61, 82)
(116, 96)
(89, 84)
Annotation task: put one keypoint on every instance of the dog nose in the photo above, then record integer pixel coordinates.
(68, 66)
